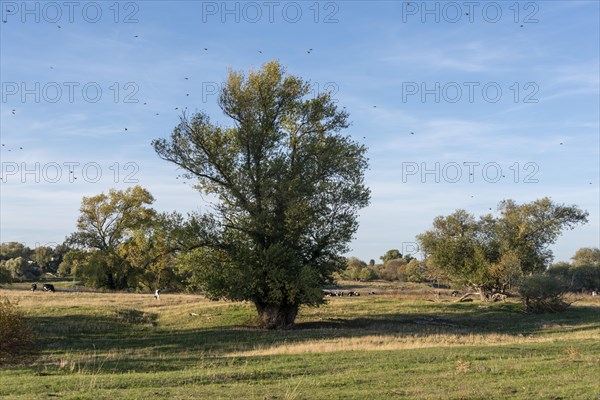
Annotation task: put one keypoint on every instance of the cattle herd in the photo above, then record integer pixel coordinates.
(47, 287)
(335, 293)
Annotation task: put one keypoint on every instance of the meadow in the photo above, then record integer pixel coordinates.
(399, 343)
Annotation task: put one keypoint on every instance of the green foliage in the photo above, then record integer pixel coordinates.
(14, 250)
(151, 253)
(415, 271)
(586, 256)
(393, 270)
(17, 343)
(367, 274)
(5, 275)
(105, 223)
(543, 293)
(354, 268)
(20, 269)
(585, 278)
(288, 184)
(390, 255)
(583, 274)
(529, 229)
(71, 262)
(43, 257)
(490, 253)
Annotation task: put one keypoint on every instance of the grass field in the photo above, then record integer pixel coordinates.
(395, 344)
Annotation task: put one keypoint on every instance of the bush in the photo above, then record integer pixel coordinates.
(367, 274)
(5, 275)
(543, 293)
(17, 344)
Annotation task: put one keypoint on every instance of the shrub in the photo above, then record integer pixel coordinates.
(5, 275)
(17, 344)
(367, 274)
(543, 293)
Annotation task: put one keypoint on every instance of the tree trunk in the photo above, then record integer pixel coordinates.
(276, 316)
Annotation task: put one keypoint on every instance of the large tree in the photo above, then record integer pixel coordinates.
(489, 253)
(288, 187)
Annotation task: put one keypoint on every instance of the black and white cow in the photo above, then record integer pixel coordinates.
(48, 287)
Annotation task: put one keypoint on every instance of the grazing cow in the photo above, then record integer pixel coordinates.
(33, 287)
(48, 287)
(456, 293)
(371, 292)
(157, 294)
(594, 293)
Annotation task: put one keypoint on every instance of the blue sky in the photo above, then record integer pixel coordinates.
(509, 92)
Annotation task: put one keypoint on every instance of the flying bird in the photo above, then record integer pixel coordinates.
(412, 133)
(205, 49)
(136, 36)
(125, 128)
(58, 26)
(186, 78)
(260, 51)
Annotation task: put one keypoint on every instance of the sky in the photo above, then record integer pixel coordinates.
(461, 104)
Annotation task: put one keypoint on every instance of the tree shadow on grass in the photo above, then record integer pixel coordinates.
(143, 346)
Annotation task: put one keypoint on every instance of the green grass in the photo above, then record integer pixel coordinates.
(394, 345)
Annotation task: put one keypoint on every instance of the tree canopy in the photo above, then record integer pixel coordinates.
(288, 186)
(105, 223)
(488, 253)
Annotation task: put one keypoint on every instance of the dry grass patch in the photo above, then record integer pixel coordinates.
(395, 342)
